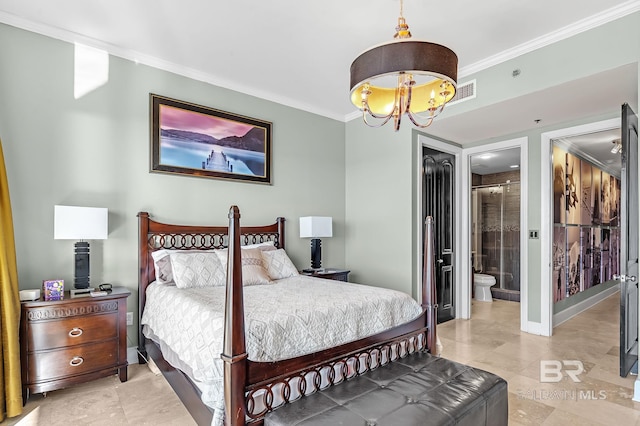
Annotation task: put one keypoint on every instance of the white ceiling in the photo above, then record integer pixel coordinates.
(299, 53)
(496, 161)
(595, 147)
(587, 97)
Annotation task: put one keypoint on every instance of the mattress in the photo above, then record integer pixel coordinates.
(284, 319)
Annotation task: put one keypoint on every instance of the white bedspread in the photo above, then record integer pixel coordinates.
(285, 319)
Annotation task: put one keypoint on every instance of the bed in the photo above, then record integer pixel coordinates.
(254, 380)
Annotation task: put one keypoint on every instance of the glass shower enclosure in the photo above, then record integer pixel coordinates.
(495, 236)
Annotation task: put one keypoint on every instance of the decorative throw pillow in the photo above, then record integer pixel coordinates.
(197, 269)
(253, 272)
(278, 264)
(162, 265)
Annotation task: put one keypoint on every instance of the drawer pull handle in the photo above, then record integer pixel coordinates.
(75, 332)
(76, 361)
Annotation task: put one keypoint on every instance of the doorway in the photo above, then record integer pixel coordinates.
(495, 222)
(611, 218)
(564, 137)
(518, 247)
(438, 201)
(462, 266)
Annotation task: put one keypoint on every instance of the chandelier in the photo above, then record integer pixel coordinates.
(403, 77)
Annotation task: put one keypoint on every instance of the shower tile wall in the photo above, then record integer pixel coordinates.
(500, 228)
(495, 178)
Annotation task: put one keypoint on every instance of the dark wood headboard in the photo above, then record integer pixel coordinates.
(156, 236)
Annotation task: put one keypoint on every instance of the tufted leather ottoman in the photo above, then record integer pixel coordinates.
(420, 389)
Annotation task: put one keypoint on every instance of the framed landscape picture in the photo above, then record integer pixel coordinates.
(195, 140)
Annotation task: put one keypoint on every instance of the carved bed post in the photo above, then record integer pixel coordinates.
(280, 222)
(429, 300)
(143, 260)
(234, 353)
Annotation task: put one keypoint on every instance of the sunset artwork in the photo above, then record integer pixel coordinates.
(200, 141)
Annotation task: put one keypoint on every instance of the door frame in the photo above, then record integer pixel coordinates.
(546, 212)
(463, 201)
(456, 151)
(523, 144)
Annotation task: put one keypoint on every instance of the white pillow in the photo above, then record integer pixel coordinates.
(278, 264)
(253, 272)
(162, 263)
(267, 245)
(197, 269)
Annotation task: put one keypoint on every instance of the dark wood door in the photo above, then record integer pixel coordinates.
(629, 243)
(438, 173)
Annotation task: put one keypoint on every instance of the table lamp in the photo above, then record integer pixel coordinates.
(315, 227)
(80, 223)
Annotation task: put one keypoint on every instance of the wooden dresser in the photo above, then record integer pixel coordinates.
(70, 341)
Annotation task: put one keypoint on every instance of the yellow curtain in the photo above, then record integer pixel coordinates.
(11, 389)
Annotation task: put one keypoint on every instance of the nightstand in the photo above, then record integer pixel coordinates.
(71, 341)
(328, 273)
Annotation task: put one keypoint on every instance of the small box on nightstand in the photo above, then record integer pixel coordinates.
(53, 289)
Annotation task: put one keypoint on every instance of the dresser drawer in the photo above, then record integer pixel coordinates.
(71, 331)
(49, 365)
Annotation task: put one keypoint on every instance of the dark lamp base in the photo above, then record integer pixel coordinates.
(81, 280)
(316, 253)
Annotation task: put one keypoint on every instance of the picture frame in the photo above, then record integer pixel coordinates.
(196, 140)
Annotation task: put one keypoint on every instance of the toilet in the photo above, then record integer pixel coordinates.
(482, 286)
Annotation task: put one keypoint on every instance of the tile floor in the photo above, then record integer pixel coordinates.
(492, 341)
(144, 399)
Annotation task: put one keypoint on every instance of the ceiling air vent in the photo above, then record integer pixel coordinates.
(464, 92)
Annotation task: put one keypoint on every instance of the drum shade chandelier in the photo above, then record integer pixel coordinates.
(404, 76)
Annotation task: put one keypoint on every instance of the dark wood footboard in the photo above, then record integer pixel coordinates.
(244, 379)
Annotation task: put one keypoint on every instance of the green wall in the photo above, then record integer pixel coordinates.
(600, 49)
(378, 205)
(94, 151)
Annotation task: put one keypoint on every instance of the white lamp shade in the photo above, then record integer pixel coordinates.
(80, 223)
(315, 227)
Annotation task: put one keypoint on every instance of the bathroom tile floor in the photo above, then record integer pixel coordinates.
(492, 341)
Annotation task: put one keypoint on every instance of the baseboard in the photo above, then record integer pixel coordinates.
(132, 355)
(533, 328)
(636, 390)
(582, 306)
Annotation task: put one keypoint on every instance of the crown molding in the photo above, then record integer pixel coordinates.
(154, 62)
(578, 27)
(575, 28)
